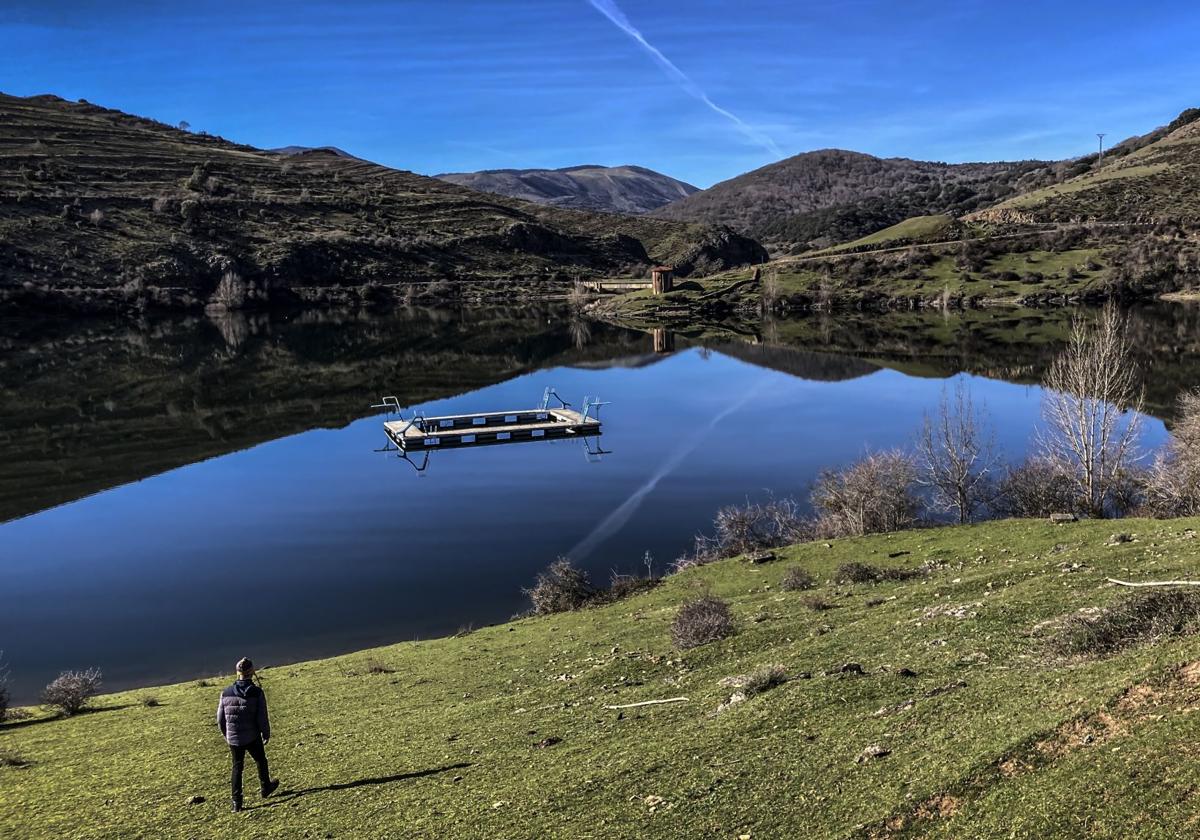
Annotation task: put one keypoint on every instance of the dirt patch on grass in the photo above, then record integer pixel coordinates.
(1138, 704)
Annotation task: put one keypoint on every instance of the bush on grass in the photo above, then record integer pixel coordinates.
(797, 580)
(701, 621)
(866, 573)
(70, 691)
(1141, 618)
(561, 588)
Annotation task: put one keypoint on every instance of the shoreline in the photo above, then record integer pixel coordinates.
(485, 733)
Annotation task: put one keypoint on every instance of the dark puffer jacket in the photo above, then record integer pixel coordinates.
(242, 714)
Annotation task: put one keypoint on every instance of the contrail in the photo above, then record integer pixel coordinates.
(617, 519)
(613, 12)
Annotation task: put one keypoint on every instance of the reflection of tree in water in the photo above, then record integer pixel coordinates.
(234, 326)
(1015, 345)
(580, 330)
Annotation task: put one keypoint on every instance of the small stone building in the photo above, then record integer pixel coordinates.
(662, 278)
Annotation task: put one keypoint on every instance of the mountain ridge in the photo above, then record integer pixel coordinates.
(825, 196)
(628, 188)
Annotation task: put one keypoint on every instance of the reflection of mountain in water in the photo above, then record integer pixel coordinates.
(1010, 344)
(804, 364)
(102, 403)
(97, 404)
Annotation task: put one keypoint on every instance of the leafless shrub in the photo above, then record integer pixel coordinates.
(1137, 619)
(625, 586)
(958, 456)
(1035, 488)
(797, 579)
(741, 529)
(761, 679)
(561, 588)
(376, 666)
(578, 295)
(866, 573)
(764, 678)
(150, 701)
(753, 526)
(70, 691)
(1092, 406)
(1173, 482)
(231, 293)
(699, 622)
(772, 289)
(96, 217)
(815, 603)
(11, 758)
(874, 495)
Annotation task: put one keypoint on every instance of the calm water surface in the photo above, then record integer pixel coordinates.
(182, 495)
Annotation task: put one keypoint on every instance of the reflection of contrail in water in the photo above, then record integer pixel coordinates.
(617, 519)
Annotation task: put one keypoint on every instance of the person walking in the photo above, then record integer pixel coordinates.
(242, 719)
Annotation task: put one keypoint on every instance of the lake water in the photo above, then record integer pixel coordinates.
(179, 494)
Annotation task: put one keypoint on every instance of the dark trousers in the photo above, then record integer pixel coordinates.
(259, 754)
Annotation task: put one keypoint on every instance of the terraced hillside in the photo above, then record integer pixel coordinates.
(100, 207)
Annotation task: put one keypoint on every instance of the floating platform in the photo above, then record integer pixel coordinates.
(453, 431)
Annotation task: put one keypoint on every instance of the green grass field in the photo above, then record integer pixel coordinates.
(504, 732)
(916, 229)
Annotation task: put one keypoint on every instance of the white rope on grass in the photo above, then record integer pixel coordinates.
(1156, 582)
(649, 703)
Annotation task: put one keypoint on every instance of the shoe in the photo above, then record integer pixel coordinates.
(237, 806)
(271, 787)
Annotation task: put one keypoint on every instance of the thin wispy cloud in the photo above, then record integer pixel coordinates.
(613, 12)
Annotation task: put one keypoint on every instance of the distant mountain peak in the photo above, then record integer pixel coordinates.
(302, 150)
(612, 189)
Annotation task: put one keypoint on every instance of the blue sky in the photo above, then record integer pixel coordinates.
(713, 89)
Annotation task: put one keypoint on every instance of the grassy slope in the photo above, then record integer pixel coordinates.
(916, 229)
(446, 744)
(1159, 180)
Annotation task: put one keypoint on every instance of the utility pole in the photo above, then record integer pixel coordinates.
(1101, 136)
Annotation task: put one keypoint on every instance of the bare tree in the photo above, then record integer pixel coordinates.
(1092, 409)
(1173, 485)
(873, 495)
(957, 456)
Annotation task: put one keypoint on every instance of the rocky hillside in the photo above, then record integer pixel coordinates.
(829, 196)
(609, 189)
(101, 208)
